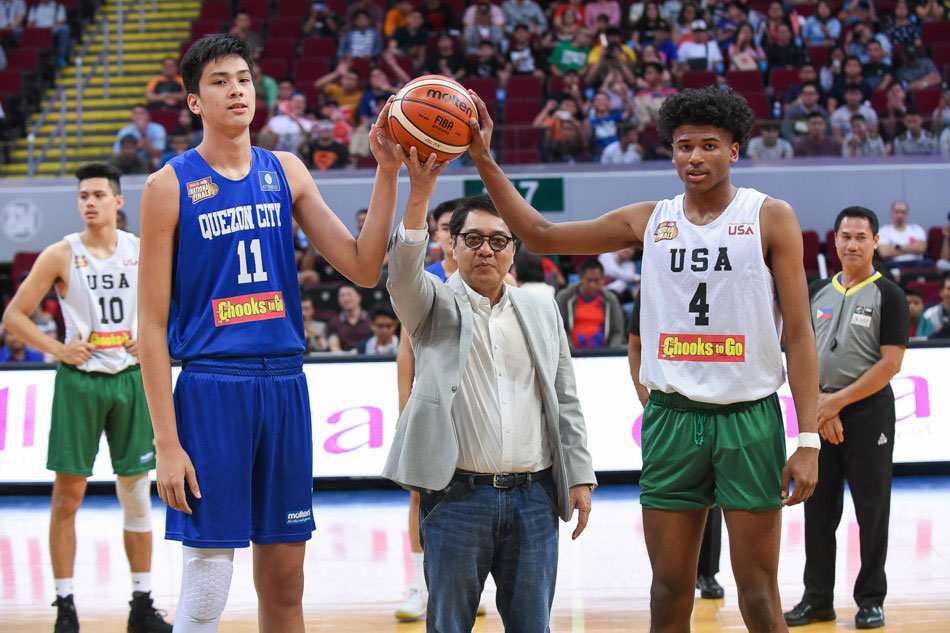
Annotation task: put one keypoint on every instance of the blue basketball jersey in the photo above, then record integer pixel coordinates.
(234, 290)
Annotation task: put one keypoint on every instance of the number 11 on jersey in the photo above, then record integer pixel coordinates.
(260, 274)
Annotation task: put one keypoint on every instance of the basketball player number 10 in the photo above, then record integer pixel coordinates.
(260, 274)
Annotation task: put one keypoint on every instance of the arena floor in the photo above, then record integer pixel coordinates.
(358, 563)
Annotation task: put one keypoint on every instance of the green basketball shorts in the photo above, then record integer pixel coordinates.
(698, 455)
(87, 403)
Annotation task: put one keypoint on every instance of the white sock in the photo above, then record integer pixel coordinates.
(64, 587)
(418, 573)
(142, 581)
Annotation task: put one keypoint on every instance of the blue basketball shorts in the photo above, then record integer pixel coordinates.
(245, 424)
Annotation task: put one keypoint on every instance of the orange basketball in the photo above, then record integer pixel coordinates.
(431, 113)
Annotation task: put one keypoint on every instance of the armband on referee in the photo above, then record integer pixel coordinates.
(809, 440)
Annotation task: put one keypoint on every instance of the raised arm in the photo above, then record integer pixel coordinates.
(51, 267)
(358, 259)
(781, 236)
(159, 222)
(612, 231)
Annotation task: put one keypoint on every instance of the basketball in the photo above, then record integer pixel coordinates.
(431, 113)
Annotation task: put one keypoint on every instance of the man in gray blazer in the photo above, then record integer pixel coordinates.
(492, 436)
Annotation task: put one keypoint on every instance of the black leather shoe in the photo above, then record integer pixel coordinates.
(709, 588)
(806, 613)
(869, 618)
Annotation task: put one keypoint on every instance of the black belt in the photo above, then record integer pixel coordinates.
(502, 481)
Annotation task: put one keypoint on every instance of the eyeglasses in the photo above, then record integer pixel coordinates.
(497, 242)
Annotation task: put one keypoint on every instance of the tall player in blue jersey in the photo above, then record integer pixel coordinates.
(219, 292)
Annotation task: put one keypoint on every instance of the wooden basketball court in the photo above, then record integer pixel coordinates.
(358, 563)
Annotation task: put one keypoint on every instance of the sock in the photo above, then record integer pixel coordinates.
(64, 587)
(418, 573)
(141, 581)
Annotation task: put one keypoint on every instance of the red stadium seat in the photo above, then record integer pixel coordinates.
(217, 10)
(926, 100)
(259, 10)
(485, 88)
(319, 47)
(745, 80)
(259, 120)
(205, 27)
(934, 241)
(831, 253)
(699, 79)
(521, 112)
(527, 87)
(760, 104)
(930, 290)
(274, 67)
(879, 102)
(520, 157)
(22, 263)
(936, 32)
(361, 66)
(520, 138)
(23, 59)
(284, 27)
(36, 38)
(941, 55)
(812, 247)
(168, 119)
(405, 63)
(337, 7)
(310, 69)
(805, 10)
(296, 9)
(818, 55)
(314, 94)
(11, 82)
(366, 162)
(280, 48)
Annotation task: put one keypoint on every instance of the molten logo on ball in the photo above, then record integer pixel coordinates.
(451, 98)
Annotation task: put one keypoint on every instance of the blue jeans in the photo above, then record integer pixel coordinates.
(468, 532)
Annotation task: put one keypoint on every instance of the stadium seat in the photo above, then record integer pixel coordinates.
(168, 119)
(879, 102)
(812, 248)
(934, 241)
(23, 59)
(11, 82)
(310, 70)
(941, 56)
(699, 79)
(818, 55)
(926, 100)
(782, 80)
(831, 253)
(337, 7)
(521, 112)
(325, 303)
(930, 290)
(936, 32)
(328, 273)
(314, 94)
(36, 38)
(296, 9)
(745, 80)
(373, 296)
(319, 48)
(520, 157)
(805, 10)
(520, 138)
(259, 10)
(274, 67)
(361, 66)
(259, 120)
(205, 27)
(760, 104)
(405, 63)
(284, 27)
(22, 263)
(217, 10)
(366, 162)
(485, 88)
(526, 87)
(279, 48)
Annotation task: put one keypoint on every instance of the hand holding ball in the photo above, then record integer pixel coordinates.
(431, 113)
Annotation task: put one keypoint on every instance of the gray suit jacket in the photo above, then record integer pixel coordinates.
(438, 320)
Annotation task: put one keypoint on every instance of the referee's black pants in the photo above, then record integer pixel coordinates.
(711, 545)
(865, 459)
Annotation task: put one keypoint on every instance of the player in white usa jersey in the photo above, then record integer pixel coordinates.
(697, 330)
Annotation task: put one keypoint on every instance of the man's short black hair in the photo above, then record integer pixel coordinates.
(913, 292)
(591, 264)
(813, 84)
(101, 170)
(120, 213)
(361, 211)
(816, 115)
(382, 309)
(128, 139)
(773, 126)
(911, 109)
(207, 49)
(464, 206)
(857, 117)
(707, 106)
(613, 31)
(360, 12)
(528, 267)
(657, 66)
(446, 207)
(853, 88)
(858, 212)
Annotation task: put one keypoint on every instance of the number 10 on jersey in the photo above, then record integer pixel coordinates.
(260, 274)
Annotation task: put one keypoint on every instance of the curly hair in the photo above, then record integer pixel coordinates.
(712, 106)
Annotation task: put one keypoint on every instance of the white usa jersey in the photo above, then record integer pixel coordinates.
(100, 305)
(709, 319)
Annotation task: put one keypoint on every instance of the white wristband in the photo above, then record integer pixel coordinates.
(809, 440)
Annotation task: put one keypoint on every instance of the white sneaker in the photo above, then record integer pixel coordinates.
(481, 608)
(414, 606)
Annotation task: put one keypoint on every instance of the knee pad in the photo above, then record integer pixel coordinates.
(205, 582)
(136, 500)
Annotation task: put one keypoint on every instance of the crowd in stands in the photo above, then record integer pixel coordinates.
(594, 294)
(579, 81)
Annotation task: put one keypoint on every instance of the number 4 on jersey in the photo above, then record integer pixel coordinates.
(698, 305)
(259, 273)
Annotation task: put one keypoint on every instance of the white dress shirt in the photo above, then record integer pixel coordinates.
(497, 412)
